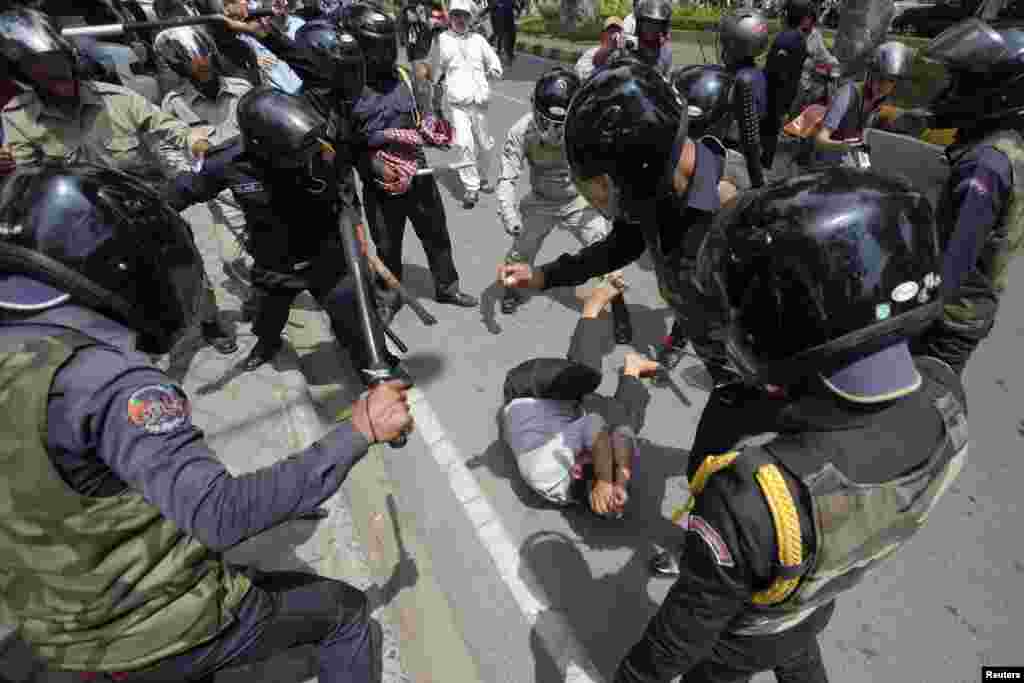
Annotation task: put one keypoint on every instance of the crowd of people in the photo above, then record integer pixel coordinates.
(835, 310)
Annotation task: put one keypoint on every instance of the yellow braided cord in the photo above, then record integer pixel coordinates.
(787, 532)
(711, 464)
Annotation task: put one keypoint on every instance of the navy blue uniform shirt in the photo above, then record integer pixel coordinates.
(290, 219)
(759, 86)
(979, 190)
(100, 452)
(625, 242)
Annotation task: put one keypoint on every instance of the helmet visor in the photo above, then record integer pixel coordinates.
(185, 47)
(112, 231)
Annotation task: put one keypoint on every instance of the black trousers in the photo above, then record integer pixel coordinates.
(285, 610)
(422, 206)
(327, 279)
(505, 32)
(737, 660)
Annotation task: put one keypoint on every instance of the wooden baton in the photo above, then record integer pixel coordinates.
(393, 284)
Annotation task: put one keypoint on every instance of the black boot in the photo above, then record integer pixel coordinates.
(216, 334)
(455, 296)
(510, 301)
(263, 352)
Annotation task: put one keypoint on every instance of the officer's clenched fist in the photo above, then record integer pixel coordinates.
(383, 414)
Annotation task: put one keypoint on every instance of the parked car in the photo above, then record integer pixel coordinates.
(931, 21)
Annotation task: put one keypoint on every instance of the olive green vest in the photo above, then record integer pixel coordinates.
(93, 584)
(856, 526)
(1006, 237)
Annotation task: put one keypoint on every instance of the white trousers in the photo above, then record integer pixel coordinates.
(474, 143)
(541, 216)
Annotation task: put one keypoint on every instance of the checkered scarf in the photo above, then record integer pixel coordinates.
(402, 145)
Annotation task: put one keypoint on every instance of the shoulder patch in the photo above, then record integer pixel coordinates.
(719, 549)
(248, 188)
(980, 186)
(159, 408)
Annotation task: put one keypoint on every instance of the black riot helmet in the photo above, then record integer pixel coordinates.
(185, 47)
(986, 78)
(337, 57)
(653, 15)
(35, 53)
(622, 130)
(821, 269)
(551, 97)
(707, 89)
(375, 30)
(279, 130)
(744, 36)
(101, 239)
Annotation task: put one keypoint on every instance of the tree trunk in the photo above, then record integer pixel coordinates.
(577, 13)
(863, 25)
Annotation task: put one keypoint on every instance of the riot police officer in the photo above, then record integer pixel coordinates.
(333, 71)
(652, 26)
(281, 172)
(744, 36)
(660, 195)
(707, 89)
(207, 100)
(778, 530)
(538, 139)
(60, 117)
(980, 214)
(115, 521)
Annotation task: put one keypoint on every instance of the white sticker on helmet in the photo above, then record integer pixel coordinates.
(905, 292)
(556, 111)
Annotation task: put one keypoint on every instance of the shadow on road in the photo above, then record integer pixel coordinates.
(607, 614)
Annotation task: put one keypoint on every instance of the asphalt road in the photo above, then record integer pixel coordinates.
(540, 594)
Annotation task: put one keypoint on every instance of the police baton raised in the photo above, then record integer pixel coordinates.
(120, 29)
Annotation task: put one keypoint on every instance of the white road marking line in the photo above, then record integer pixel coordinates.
(509, 97)
(555, 633)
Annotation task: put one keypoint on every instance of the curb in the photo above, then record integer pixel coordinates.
(557, 54)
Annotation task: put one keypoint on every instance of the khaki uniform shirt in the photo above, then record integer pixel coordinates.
(217, 118)
(114, 127)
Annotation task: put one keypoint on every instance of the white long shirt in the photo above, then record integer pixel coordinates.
(466, 60)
